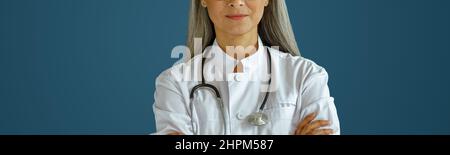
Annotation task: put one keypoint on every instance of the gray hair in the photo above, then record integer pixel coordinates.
(274, 28)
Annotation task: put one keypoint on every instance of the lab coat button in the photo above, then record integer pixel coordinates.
(240, 116)
(237, 78)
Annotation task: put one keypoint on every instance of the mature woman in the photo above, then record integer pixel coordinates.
(245, 76)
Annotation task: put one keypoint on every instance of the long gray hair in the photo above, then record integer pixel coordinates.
(274, 29)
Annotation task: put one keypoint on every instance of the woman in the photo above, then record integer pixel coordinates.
(238, 85)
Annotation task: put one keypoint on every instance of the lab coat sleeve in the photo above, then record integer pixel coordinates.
(171, 113)
(315, 97)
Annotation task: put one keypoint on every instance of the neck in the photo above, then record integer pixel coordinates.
(238, 46)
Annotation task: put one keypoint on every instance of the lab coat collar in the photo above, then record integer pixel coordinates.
(224, 64)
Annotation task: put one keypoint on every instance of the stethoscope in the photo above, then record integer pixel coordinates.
(258, 118)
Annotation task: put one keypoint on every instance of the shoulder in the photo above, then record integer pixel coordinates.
(297, 72)
(182, 71)
(297, 65)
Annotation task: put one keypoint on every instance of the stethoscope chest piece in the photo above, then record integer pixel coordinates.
(258, 118)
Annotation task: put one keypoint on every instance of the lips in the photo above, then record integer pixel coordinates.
(237, 16)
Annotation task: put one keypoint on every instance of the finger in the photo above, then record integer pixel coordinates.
(305, 121)
(315, 125)
(323, 132)
(175, 133)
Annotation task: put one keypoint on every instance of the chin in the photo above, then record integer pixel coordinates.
(238, 31)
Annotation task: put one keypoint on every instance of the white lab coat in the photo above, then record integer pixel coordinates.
(298, 88)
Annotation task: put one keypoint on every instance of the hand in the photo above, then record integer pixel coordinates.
(175, 133)
(310, 127)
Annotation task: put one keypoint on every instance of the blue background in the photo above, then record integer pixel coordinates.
(89, 66)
